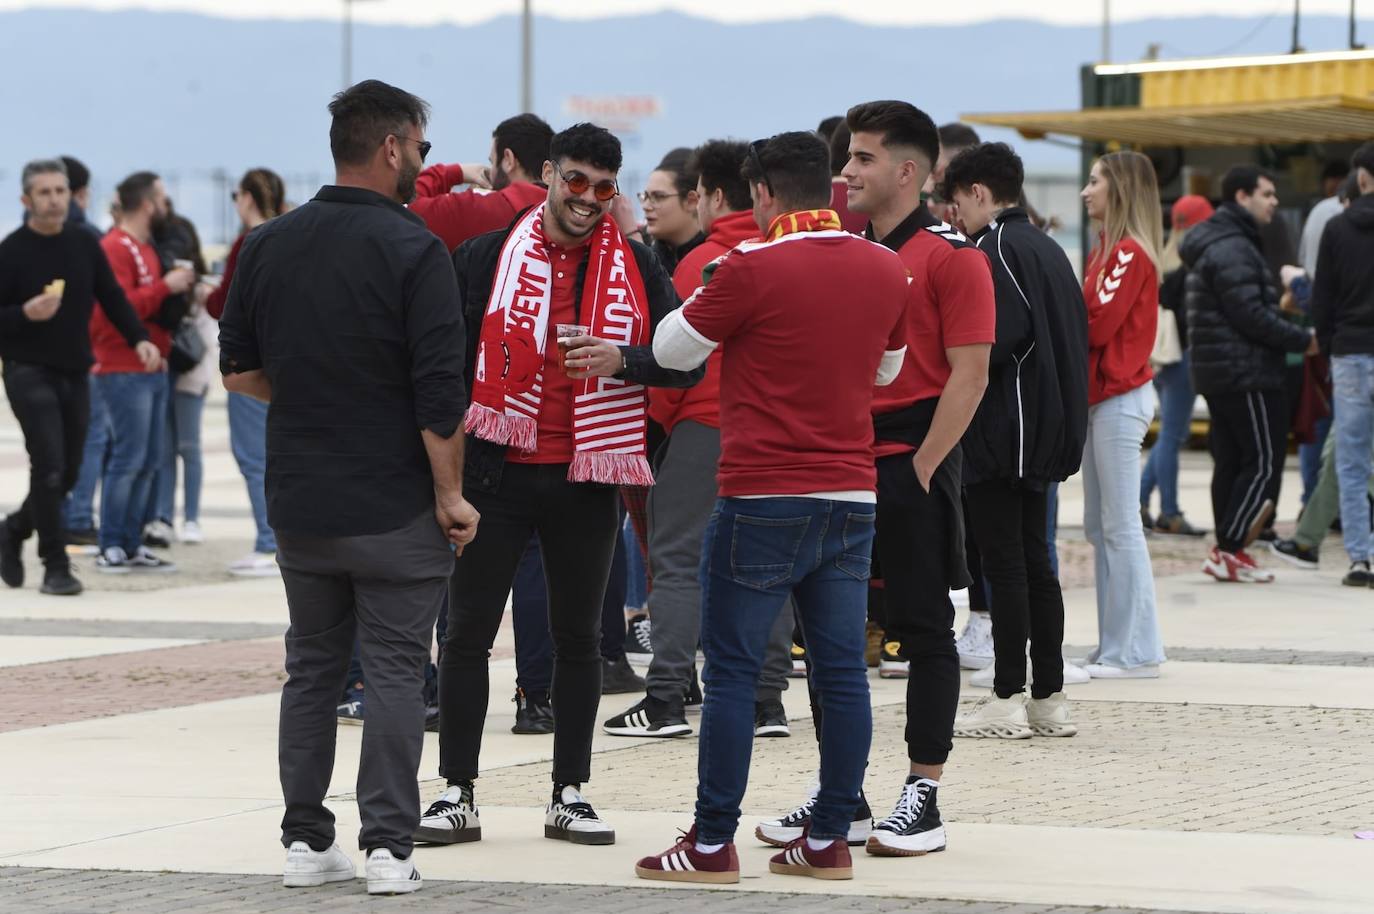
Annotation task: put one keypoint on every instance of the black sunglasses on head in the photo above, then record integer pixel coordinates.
(423, 145)
(754, 148)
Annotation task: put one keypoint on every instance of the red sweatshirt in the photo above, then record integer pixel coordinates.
(457, 217)
(1121, 291)
(701, 403)
(214, 304)
(139, 273)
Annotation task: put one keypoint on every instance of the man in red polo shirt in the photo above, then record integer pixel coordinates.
(951, 322)
(684, 493)
(519, 147)
(803, 346)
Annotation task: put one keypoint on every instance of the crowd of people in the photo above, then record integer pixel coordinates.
(832, 377)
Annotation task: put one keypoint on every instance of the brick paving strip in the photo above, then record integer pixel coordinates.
(102, 891)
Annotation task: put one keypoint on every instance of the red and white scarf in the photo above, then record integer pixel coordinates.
(609, 414)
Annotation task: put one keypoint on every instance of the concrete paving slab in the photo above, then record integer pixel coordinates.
(18, 650)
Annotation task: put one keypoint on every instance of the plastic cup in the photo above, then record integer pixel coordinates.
(565, 332)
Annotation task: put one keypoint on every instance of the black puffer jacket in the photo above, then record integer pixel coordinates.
(1237, 337)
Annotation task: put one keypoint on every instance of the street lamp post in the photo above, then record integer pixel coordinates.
(527, 57)
(348, 42)
(1106, 31)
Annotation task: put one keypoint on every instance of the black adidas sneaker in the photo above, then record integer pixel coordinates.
(914, 827)
(451, 819)
(650, 717)
(785, 829)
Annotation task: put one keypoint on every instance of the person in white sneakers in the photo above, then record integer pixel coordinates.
(1028, 432)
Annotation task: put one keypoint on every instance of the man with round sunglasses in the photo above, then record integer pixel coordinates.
(560, 309)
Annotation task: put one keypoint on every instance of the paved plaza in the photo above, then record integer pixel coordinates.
(138, 754)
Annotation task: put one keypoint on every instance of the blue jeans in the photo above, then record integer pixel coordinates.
(248, 441)
(1175, 390)
(137, 405)
(1352, 387)
(636, 583)
(1310, 458)
(79, 513)
(1127, 623)
(755, 553)
(184, 442)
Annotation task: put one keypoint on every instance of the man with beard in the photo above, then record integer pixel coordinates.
(560, 311)
(509, 185)
(135, 400)
(344, 315)
(50, 272)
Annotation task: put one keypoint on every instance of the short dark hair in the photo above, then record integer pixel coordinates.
(1350, 188)
(996, 166)
(796, 165)
(135, 190)
(900, 124)
(527, 136)
(827, 126)
(588, 143)
(839, 149)
(1242, 178)
(1335, 169)
(366, 114)
(1363, 158)
(678, 163)
(955, 135)
(78, 175)
(718, 164)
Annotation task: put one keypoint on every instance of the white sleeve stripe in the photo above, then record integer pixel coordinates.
(678, 345)
(890, 366)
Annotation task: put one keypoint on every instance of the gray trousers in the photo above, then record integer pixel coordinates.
(680, 504)
(387, 589)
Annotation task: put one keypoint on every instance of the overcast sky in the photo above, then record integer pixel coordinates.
(892, 12)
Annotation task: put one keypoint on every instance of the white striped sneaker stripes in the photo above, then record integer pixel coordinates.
(677, 862)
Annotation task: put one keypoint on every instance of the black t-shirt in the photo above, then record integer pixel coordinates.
(28, 262)
(351, 308)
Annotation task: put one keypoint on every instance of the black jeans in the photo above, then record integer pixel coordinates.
(53, 408)
(577, 525)
(1008, 522)
(1248, 437)
(912, 544)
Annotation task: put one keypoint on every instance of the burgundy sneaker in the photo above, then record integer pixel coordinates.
(798, 859)
(684, 863)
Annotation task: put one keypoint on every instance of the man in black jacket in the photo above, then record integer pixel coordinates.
(1028, 432)
(535, 279)
(1343, 307)
(1238, 341)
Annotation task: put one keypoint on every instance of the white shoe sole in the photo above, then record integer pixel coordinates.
(778, 836)
(773, 730)
(119, 569)
(888, 844)
(994, 730)
(1050, 728)
(890, 670)
(639, 659)
(310, 880)
(393, 886)
(665, 732)
(974, 661)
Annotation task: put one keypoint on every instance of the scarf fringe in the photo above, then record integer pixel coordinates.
(612, 469)
(486, 423)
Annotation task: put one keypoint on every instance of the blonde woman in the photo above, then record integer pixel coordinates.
(1121, 291)
(1172, 384)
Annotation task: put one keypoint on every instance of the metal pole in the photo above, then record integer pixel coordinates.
(348, 43)
(527, 58)
(1106, 31)
(1354, 45)
(1297, 20)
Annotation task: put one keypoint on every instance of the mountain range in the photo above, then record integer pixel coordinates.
(200, 99)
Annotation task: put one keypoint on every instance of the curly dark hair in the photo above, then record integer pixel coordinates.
(587, 143)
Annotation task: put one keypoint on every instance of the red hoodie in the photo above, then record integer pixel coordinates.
(701, 403)
(457, 217)
(1121, 291)
(139, 273)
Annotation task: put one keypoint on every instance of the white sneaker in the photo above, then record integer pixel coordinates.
(571, 818)
(1102, 671)
(451, 819)
(975, 644)
(1050, 716)
(788, 827)
(387, 875)
(995, 718)
(305, 867)
(255, 565)
(191, 534)
(1073, 675)
(113, 560)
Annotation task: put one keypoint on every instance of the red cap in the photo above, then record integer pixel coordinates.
(1190, 210)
